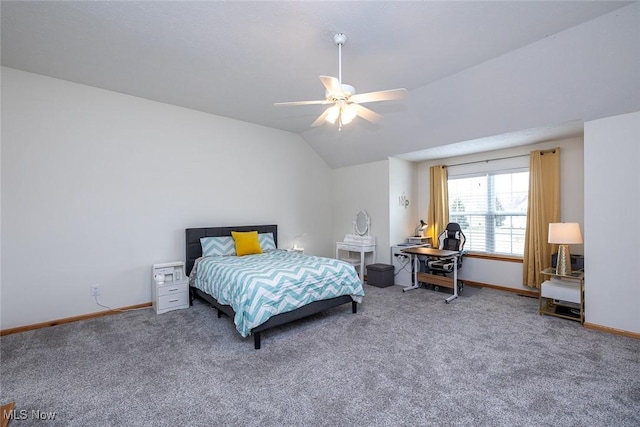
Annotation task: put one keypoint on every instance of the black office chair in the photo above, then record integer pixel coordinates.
(451, 239)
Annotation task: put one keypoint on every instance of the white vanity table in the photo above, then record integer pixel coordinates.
(360, 241)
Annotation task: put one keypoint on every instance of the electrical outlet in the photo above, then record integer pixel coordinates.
(95, 290)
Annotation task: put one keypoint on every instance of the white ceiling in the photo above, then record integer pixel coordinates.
(235, 59)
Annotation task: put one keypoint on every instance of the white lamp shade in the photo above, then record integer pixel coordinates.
(565, 233)
(333, 114)
(348, 114)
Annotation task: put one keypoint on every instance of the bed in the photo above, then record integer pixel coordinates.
(238, 286)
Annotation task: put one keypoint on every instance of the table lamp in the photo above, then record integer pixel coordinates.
(564, 234)
(295, 241)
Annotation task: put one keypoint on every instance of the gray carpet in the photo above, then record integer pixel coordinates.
(404, 359)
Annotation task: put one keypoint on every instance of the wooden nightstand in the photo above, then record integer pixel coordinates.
(173, 292)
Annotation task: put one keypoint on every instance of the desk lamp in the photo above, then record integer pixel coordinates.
(420, 229)
(564, 234)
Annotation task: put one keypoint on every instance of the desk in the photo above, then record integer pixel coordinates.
(432, 278)
(354, 247)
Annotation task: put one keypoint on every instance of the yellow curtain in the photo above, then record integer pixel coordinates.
(543, 208)
(438, 214)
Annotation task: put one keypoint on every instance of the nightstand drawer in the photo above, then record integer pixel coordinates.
(172, 288)
(169, 302)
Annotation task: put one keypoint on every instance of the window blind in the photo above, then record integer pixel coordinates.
(491, 208)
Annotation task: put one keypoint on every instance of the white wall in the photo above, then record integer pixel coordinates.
(612, 209)
(362, 187)
(376, 188)
(403, 179)
(97, 186)
(503, 273)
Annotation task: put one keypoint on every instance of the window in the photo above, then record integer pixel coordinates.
(491, 208)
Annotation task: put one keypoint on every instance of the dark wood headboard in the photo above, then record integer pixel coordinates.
(193, 236)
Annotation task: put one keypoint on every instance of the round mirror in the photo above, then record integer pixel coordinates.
(361, 223)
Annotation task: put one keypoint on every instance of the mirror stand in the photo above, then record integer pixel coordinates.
(361, 223)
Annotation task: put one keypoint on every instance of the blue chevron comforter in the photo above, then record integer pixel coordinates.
(258, 287)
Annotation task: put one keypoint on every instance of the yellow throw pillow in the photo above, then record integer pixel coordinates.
(247, 242)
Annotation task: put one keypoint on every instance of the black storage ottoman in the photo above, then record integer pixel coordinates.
(380, 275)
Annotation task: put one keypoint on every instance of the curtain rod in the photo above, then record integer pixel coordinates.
(553, 150)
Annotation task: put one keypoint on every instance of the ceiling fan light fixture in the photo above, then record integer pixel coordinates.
(347, 114)
(346, 103)
(347, 92)
(332, 114)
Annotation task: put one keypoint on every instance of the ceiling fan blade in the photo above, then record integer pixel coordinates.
(324, 101)
(321, 119)
(333, 86)
(345, 102)
(366, 113)
(382, 95)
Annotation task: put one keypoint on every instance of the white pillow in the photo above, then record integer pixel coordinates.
(218, 246)
(266, 242)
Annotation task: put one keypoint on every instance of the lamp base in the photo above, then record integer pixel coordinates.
(563, 266)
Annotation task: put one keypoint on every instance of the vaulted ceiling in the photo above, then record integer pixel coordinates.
(236, 59)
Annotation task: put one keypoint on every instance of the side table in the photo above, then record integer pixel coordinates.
(563, 296)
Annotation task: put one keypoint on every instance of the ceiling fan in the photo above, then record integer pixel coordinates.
(345, 103)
